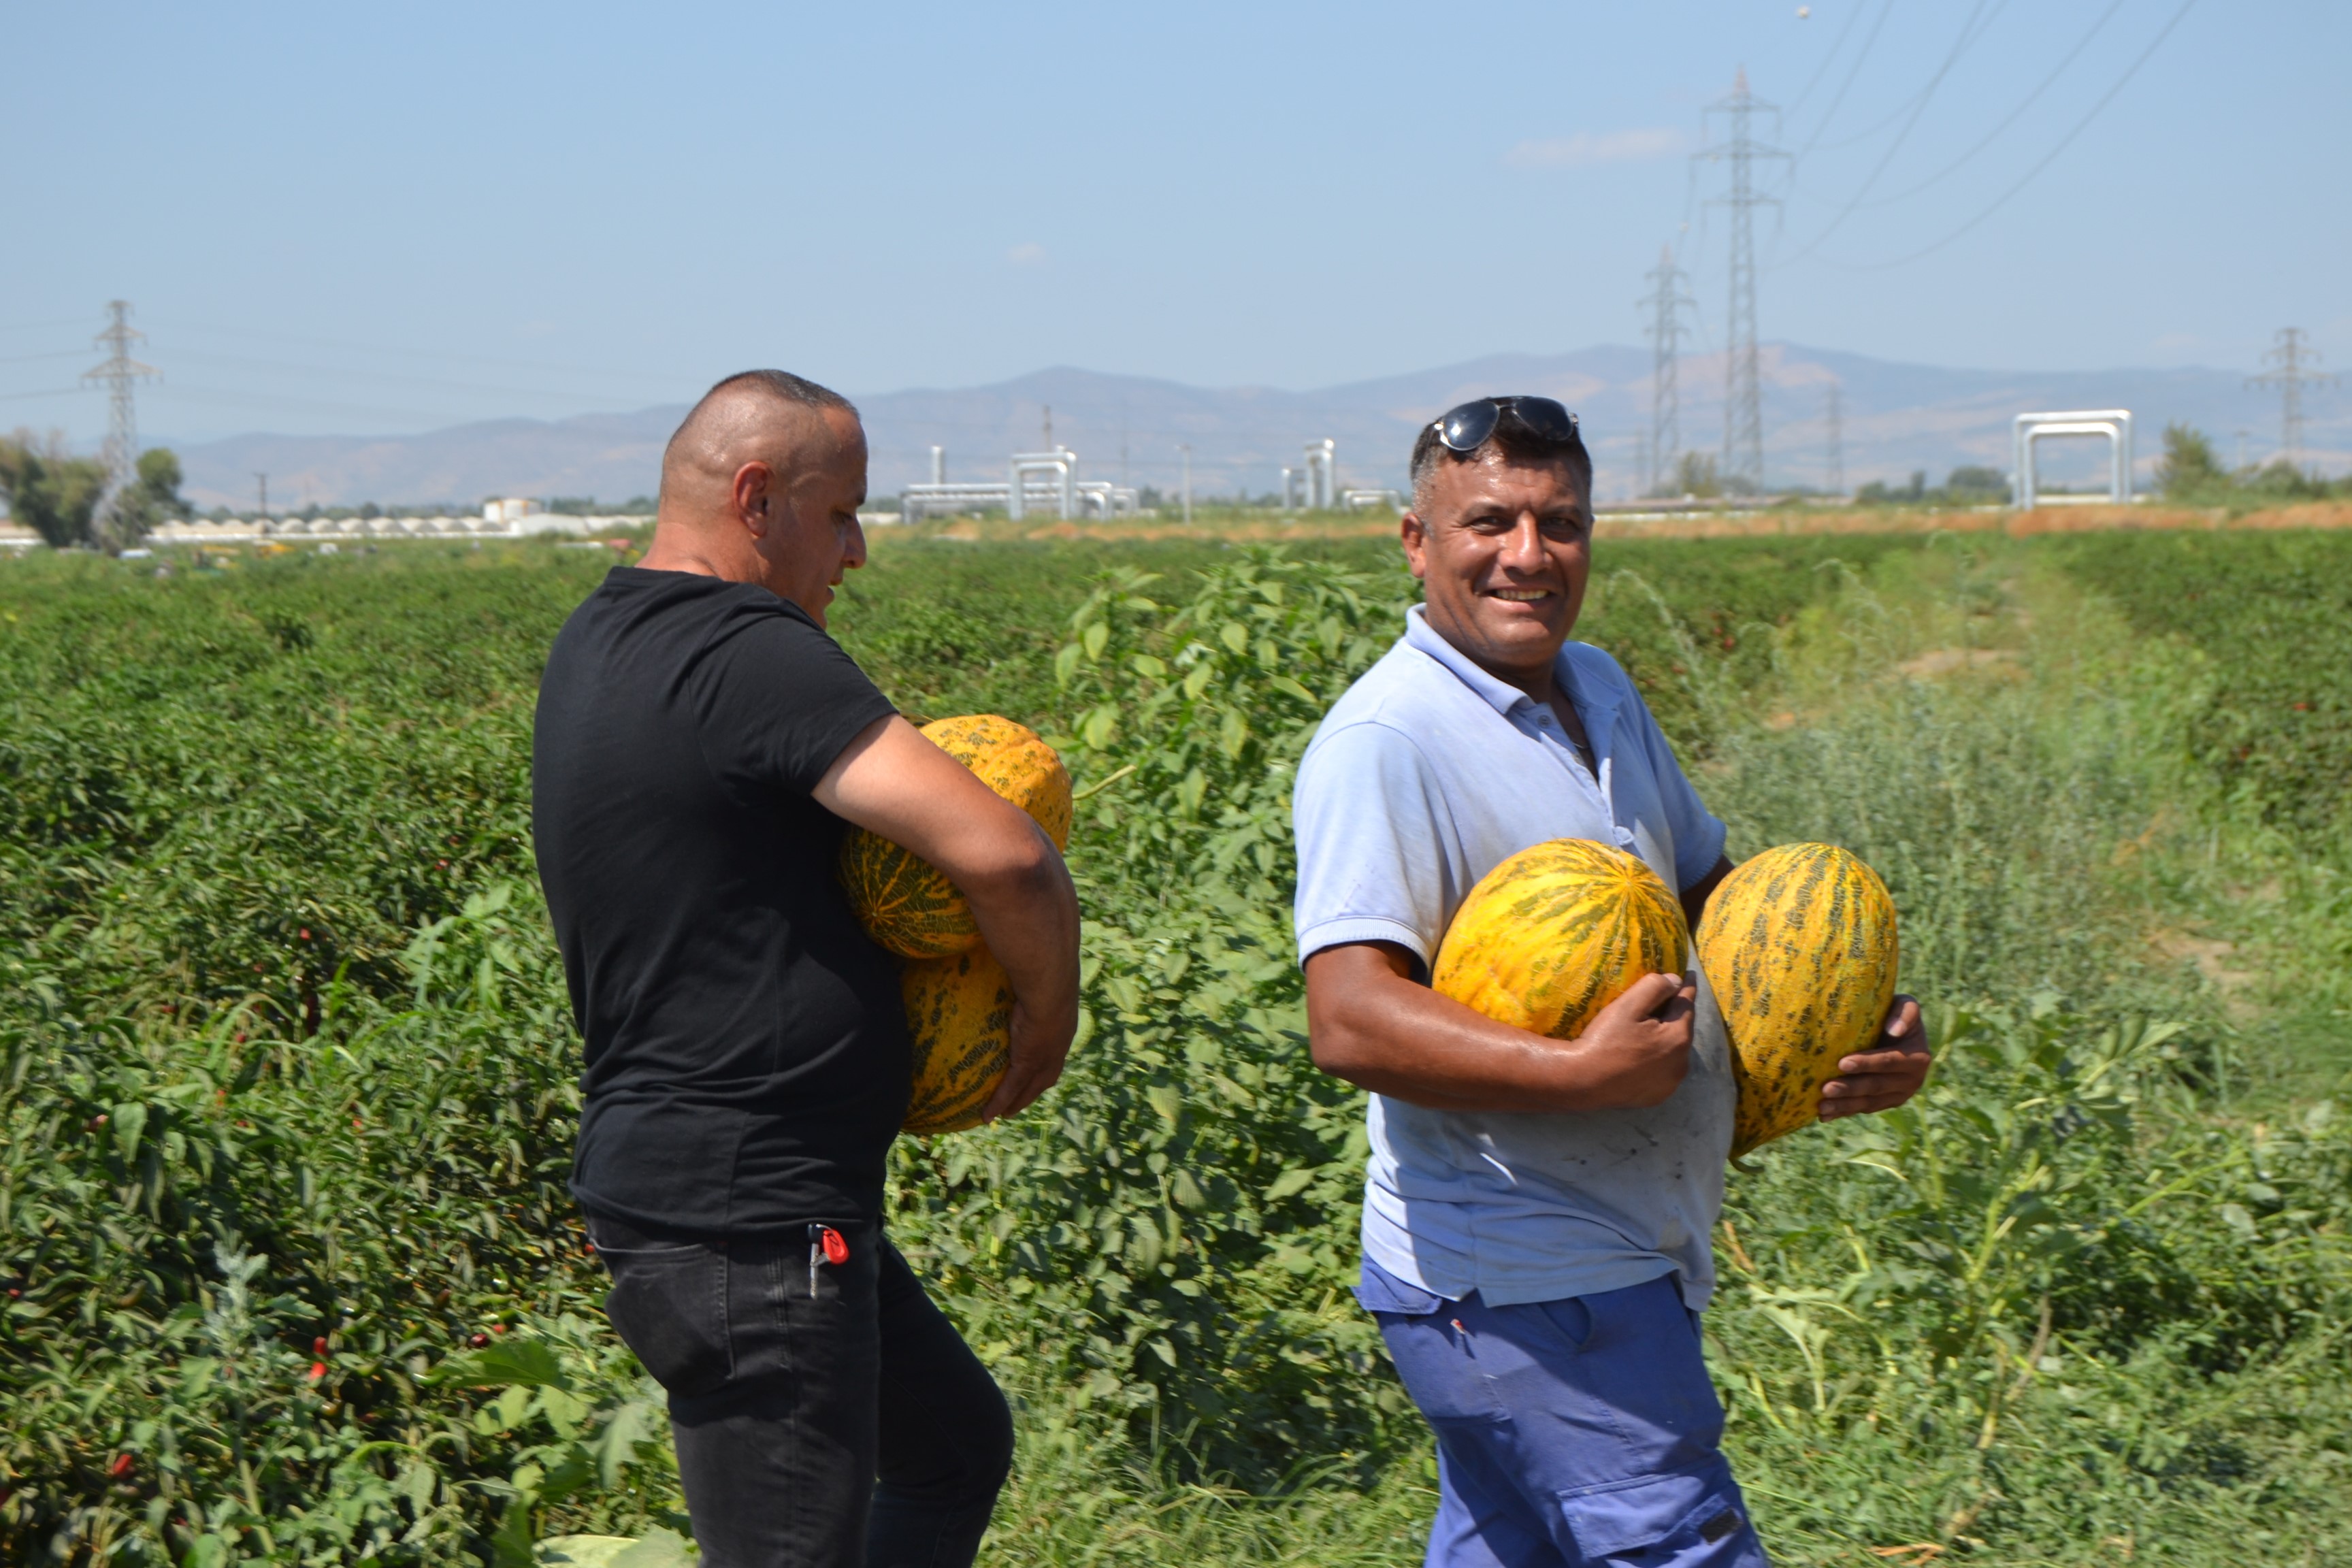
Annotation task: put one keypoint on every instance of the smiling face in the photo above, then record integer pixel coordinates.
(1503, 548)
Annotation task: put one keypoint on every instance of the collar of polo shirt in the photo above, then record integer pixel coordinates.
(1596, 706)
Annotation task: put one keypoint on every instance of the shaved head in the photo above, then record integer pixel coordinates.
(761, 483)
(770, 416)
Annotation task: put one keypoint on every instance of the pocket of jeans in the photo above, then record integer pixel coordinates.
(1572, 1317)
(668, 1304)
(1667, 1514)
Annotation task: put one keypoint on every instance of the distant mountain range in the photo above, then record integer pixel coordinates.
(1895, 418)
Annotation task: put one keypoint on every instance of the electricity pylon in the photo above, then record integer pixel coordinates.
(119, 456)
(1743, 398)
(1665, 303)
(1835, 416)
(2291, 373)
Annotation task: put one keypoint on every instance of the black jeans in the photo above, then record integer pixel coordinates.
(826, 1416)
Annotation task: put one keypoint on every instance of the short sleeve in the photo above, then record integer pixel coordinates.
(779, 701)
(1371, 819)
(1698, 834)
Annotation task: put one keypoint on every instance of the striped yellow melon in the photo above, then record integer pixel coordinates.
(960, 1012)
(908, 905)
(1556, 933)
(1799, 949)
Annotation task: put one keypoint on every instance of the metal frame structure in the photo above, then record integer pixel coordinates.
(1060, 465)
(2115, 424)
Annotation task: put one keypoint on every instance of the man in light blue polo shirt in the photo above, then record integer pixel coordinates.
(1537, 1212)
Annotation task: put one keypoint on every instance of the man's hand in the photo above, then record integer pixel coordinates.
(1639, 1046)
(1887, 1075)
(1038, 1052)
(895, 781)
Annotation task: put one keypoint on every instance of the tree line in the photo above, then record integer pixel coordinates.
(64, 499)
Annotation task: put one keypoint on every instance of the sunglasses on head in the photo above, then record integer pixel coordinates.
(1467, 428)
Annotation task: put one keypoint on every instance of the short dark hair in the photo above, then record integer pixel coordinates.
(785, 384)
(1512, 438)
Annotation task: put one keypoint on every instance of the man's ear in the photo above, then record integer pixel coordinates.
(1415, 536)
(756, 497)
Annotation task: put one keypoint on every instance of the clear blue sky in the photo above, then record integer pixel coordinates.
(388, 217)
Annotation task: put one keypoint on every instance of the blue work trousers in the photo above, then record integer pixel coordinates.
(1581, 1431)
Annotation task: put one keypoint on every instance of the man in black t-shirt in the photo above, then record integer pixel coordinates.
(701, 743)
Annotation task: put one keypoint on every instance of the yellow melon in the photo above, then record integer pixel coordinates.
(1556, 933)
(960, 1012)
(908, 905)
(1800, 947)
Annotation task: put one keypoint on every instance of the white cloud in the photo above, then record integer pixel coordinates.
(1026, 255)
(1585, 149)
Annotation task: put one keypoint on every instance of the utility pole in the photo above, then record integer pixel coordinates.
(1743, 399)
(2290, 372)
(263, 481)
(1665, 304)
(1049, 429)
(1835, 416)
(121, 452)
(1187, 482)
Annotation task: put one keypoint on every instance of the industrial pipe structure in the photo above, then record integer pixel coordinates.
(2115, 424)
(1107, 499)
(1318, 478)
(1034, 480)
(1061, 462)
(1322, 474)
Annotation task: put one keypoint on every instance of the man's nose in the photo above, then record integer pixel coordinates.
(1523, 548)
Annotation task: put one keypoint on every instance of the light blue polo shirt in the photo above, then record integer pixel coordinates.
(1426, 774)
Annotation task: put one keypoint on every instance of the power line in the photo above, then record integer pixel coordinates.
(308, 341)
(1821, 70)
(1959, 46)
(2047, 159)
(1853, 71)
(341, 372)
(2009, 119)
(1970, 32)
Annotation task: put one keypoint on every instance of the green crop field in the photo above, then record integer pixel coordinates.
(287, 1077)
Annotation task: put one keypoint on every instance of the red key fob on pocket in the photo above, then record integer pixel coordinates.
(836, 1249)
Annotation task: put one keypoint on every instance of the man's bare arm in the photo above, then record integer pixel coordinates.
(1367, 1021)
(893, 782)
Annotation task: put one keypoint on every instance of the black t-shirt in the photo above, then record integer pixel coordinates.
(746, 1050)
